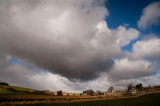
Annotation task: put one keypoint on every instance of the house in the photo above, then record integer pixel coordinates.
(70, 94)
(114, 92)
(105, 93)
(64, 94)
(109, 93)
(83, 94)
(120, 93)
(54, 93)
(133, 92)
(46, 92)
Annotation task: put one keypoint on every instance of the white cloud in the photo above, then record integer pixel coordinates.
(150, 80)
(69, 38)
(131, 69)
(148, 48)
(150, 15)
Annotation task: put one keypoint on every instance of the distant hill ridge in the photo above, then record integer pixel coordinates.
(4, 83)
(5, 89)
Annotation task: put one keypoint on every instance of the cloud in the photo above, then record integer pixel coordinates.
(131, 69)
(147, 48)
(148, 80)
(137, 66)
(67, 45)
(32, 77)
(150, 15)
(69, 38)
(151, 80)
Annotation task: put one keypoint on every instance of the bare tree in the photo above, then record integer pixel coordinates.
(130, 86)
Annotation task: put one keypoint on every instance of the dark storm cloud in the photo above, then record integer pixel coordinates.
(69, 38)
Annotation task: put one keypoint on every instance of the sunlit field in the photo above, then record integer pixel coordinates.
(145, 100)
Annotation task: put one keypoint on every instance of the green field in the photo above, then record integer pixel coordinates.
(145, 100)
(13, 90)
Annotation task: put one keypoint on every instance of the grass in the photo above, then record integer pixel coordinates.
(13, 90)
(145, 100)
(7, 92)
(21, 89)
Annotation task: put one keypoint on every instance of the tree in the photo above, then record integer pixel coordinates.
(130, 86)
(89, 92)
(98, 93)
(110, 89)
(139, 87)
(59, 93)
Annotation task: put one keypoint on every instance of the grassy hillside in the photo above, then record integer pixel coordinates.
(145, 100)
(13, 90)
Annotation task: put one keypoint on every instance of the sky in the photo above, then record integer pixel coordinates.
(75, 45)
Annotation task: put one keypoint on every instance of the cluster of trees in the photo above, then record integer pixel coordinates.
(150, 88)
(59, 93)
(89, 92)
(99, 93)
(138, 87)
(133, 89)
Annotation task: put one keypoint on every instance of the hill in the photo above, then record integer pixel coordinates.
(13, 90)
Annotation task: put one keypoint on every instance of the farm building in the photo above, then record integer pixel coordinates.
(70, 94)
(64, 94)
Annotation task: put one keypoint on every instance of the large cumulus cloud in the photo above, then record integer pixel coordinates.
(123, 74)
(69, 38)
